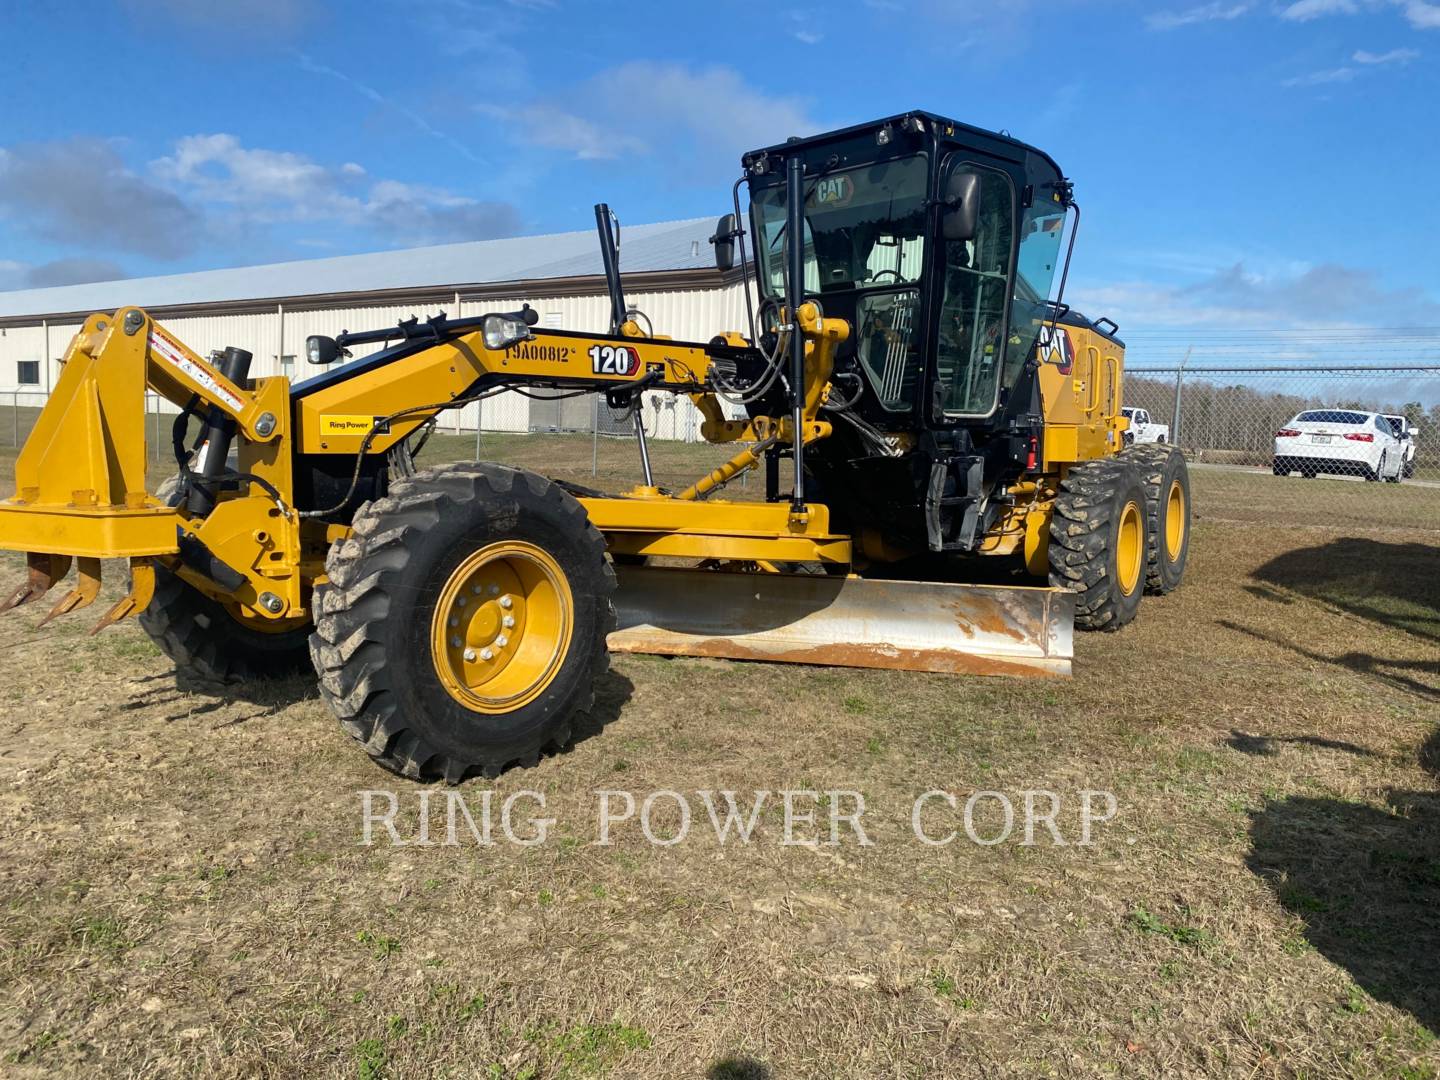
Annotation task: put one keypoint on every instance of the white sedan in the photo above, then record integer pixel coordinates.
(1342, 442)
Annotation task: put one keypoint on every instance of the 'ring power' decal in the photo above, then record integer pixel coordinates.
(614, 359)
(173, 354)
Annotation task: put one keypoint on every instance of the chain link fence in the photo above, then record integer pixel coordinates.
(1262, 427)
(1349, 417)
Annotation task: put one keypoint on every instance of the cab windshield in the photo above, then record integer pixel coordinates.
(864, 228)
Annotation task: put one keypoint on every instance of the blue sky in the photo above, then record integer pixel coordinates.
(1256, 163)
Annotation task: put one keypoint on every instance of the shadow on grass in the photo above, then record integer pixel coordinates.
(1366, 883)
(1401, 674)
(1269, 745)
(738, 1068)
(194, 696)
(1396, 585)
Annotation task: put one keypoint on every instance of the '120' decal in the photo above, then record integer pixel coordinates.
(614, 359)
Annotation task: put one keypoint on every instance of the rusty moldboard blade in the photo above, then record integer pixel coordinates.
(846, 622)
(142, 589)
(45, 570)
(84, 593)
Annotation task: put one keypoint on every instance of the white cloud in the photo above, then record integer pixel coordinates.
(212, 190)
(1421, 14)
(701, 118)
(80, 192)
(218, 169)
(261, 186)
(1394, 56)
(1323, 78)
(550, 126)
(1322, 295)
(808, 37)
(1213, 12)
(1305, 10)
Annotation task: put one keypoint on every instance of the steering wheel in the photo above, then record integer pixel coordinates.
(876, 275)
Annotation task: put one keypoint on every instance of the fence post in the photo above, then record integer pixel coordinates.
(1179, 394)
(594, 434)
(15, 418)
(479, 413)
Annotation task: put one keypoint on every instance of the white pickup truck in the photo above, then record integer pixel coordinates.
(1141, 430)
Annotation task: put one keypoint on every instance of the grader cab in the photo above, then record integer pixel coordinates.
(923, 415)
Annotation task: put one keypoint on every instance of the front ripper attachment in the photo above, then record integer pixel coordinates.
(846, 622)
(43, 574)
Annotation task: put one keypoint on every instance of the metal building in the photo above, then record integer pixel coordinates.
(269, 310)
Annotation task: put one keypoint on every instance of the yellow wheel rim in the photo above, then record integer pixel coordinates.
(502, 627)
(1130, 548)
(1174, 521)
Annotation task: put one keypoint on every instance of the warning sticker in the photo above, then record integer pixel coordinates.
(170, 351)
(348, 424)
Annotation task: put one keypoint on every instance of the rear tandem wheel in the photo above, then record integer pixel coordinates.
(1098, 542)
(1167, 513)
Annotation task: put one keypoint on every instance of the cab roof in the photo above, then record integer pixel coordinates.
(938, 127)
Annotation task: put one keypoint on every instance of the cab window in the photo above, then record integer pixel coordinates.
(971, 346)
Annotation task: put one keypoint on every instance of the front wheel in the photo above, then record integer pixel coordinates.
(218, 642)
(464, 622)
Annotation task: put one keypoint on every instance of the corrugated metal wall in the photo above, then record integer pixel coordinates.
(278, 343)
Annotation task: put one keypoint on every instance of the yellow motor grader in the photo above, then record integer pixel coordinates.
(922, 412)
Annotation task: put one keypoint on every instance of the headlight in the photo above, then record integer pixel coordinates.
(321, 350)
(501, 331)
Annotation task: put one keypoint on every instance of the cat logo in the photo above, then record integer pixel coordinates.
(834, 191)
(1054, 347)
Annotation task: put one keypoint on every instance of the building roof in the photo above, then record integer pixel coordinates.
(670, 245)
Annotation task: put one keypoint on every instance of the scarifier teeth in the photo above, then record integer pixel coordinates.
(84, 593)
(142, 589)
(45, 570)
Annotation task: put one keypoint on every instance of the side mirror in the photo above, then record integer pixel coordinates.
(962, 205)
(321, 350)
(724, 241)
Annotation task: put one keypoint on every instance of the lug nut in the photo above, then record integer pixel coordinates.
(455, 642)
(506, 602)
(470, 656)
(475, 589)
(486, 654)
(502, 641)
(508, 621)
(454, 621)
(272, 603)
(494, 590)
(461, 602)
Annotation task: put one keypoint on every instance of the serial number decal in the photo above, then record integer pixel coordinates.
(173, 354)
(614, 359)
(558, 354)
(346, 424)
